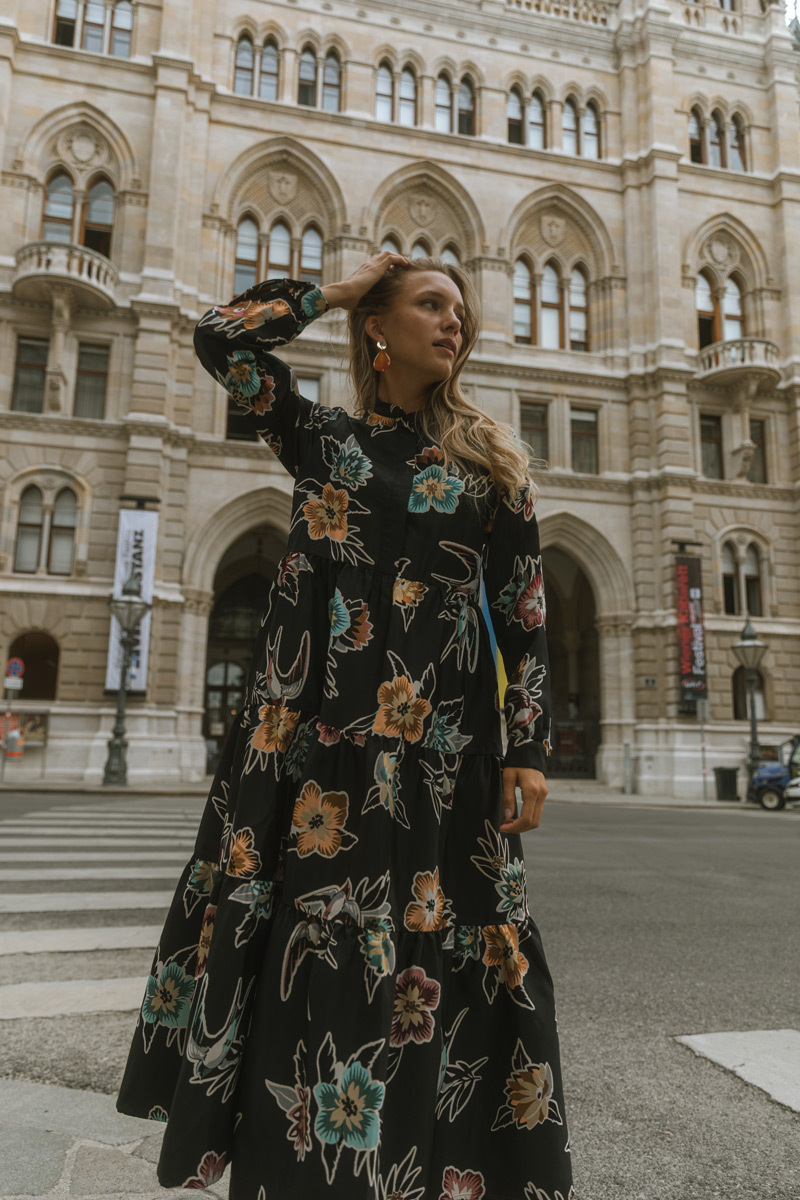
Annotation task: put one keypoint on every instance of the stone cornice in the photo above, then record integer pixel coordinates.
(52, 423)
(87, 57)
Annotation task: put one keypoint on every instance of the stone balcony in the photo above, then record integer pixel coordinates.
(750, 360)
(91, 278)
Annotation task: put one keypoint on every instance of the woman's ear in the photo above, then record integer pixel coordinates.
(372, 326)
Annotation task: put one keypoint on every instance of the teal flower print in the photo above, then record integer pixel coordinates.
(511, 887)
(314, 303)
(467, 942)
(350, 467)
(338, 615)
(377, 945)
(158, 1113)
(348, 1112)
(242, 380)
(203, 877)
(432, 488)
(168, 997)
(442, 735)
(298, 750)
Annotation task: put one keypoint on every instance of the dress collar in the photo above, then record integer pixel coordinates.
(385, 409)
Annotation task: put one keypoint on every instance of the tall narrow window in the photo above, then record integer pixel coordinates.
(537, 138)
(64, 25)
(697, 146)
(730, 580)
(94, 15)
(590, 132)
(514, 117)
(332, 83)
(122, 29)
(407, 105)
(420, 250)
(384, 93)
(59, 201)
(98, 217)
(307, 78)
(450, 255)
(550, 309)
(757, 472)
(741, 697)
(29, 375)
(62, 533)
(390, 244)
(29, 530)
(736, 150)
(268, 83)
(245, 273)
(716, 141)
(443, 114)
(578, 311)
(732, 312)
(533, 429)
(308, 387)
(523, 302)
(91, 381)
(569, 128)
(244, 70)
(583, 430)
(311, 256)
(752, 580)
(711, 446)
(707, 313)
(279, 260)
(466, 107)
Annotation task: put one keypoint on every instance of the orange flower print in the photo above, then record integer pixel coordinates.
(502, 950)
(319, 819)
(266, 394)
(408, 591)
(328, 517)
(530, 1095)
(204, 942)
(244, 860)
(401, 713)
(430, 910)
(374, 418)
(427, 457)
(276, 730)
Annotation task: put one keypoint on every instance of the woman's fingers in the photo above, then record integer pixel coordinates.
(533, 786)
(348, 293)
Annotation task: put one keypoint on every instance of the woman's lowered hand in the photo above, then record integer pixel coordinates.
(533, 786)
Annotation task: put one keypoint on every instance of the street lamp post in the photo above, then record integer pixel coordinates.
(749, 651)
(129, 609)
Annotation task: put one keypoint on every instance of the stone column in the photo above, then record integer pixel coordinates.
(55, 392)
(190, 684)
(426, 101)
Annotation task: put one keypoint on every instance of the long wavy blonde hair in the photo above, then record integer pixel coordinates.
(467, 437)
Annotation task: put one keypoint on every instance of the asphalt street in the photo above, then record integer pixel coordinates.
(658, 923)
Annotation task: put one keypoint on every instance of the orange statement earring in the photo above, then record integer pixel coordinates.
(381, 360)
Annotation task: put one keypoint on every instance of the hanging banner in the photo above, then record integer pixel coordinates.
(136, 552)
(691, 634)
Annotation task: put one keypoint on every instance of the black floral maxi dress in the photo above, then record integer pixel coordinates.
(350, 998)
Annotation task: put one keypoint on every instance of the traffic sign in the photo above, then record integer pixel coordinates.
(13, 683)
(15, 667)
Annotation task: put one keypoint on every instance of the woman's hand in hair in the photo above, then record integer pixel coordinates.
(533, 786)
(348, 293)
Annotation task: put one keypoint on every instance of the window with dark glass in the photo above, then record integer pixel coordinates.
(590, 132)
(244, 68)
(268, 83)
(523, 302)
(730, 581)
(384, 93)
(332, 83)
(707, 313)
(29, 375)
(443, 105)
(578, 311)
(757, 472)
(569, 128)
(741, 699)
(514, 113)
(62, 533)
(537, 139)
(752, 581)
(246, 269)
(550, 313)
(39, 652)
(94, 15)
(29, 530)
(311, 256)
(64, 24)
(711, 446)
(279, 252)
(59, 202)
(466, 107)
(533, 429)
(122, 29)
(716, 141)
(583, 431)
(91, 381)
(98, 217)
(697, 149)
(407, 104)
(307, 78)
(736, 150)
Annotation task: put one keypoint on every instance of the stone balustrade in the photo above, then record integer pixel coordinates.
(87, 271)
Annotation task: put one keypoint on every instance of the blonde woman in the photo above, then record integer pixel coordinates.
(350, 997)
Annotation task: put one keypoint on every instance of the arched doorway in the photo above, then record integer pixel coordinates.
(572, 643)
(39, 653)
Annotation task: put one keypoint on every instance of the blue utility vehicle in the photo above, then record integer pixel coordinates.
(775, 783)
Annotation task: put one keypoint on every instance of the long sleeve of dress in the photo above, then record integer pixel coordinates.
(512, 571)
(233, 343)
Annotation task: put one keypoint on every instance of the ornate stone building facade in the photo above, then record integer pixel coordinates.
(622, 181)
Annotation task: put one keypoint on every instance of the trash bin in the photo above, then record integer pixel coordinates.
(725, 779)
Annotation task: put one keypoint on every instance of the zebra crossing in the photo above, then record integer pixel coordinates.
(112, 871)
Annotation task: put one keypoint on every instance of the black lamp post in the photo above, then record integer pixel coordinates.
(749, 652)
(129, 609)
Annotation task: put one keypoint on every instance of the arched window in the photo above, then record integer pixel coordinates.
(736, 149)
(94, 16)
(466, 107)
(244, 69)
(407, 106)
(514, 117)
(716, 141)
(311, 256)
(98, 217)
(279, 256)
(707, 312)
(569, 128)
(590, 132)
(39, 652)
(29, 530)
(578, 311)
(450, 255)
(420, 250)
(59, 201)
(697, 141)
(389, 243)
(307, 78)
(122, 29)
(741, 705)
(66, 16)
(62, 533)
(523, 302)
(752, 581)
(384, 93)
(268, 83)
(730, 580)
(443, 114)
(245, 273)
(537, 137)
(551, 322)
(332, 83)
(732, 312)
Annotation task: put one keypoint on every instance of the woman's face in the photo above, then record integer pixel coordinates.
(422, 327)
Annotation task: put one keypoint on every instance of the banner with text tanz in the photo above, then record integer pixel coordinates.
(691, 634)
(136, 552)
